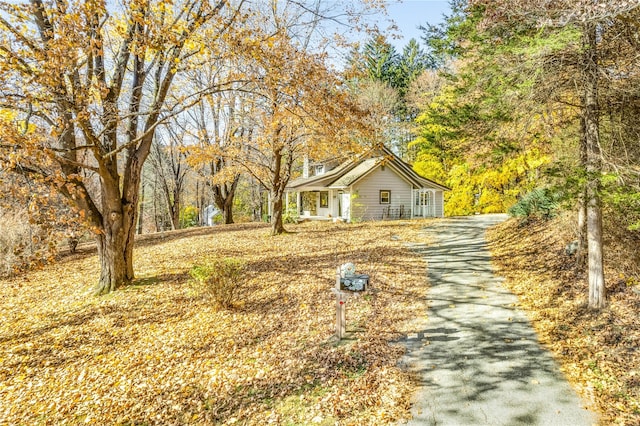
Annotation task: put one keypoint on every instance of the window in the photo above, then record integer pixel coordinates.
(324, 199)
(385, 197)
(319, 169)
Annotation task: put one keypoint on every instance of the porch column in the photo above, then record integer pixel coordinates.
(333, 203)
(433, 203)
(286, 201)
(413, 202)
(298, 202)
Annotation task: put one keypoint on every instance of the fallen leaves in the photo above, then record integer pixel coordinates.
(598, 350)
(159, 352)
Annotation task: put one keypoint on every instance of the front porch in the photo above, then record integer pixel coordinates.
(325, 204)
(319, 204)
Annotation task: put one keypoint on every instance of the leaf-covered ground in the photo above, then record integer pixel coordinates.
(599, 352)
(158, 352)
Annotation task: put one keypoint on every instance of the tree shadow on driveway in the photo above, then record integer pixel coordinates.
(476, 358)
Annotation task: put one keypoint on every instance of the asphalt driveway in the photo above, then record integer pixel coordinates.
(477, 357)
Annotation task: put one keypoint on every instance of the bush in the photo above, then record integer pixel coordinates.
(15, 241)
(221, 279)
(624, 203)
(22, 244)
(541, 202)
(218, 219)
(188, 217)
(290, 214)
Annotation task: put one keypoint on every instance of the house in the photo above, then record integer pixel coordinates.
(208, 215)
(375, 186)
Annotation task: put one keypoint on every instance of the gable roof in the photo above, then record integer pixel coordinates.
(324, 179)
(351, 171)
(353, 175)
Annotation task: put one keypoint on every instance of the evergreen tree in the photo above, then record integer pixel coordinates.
(379, 62)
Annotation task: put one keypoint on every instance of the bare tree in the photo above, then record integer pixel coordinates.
(168, 159)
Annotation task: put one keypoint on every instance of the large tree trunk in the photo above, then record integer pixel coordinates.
(112, 252)
(175, 212)
(582, 231)
(597, 292)
(597, 289)
(581, 253)
(227, 212)
(277, 226)
(281, 173)
(223, 195)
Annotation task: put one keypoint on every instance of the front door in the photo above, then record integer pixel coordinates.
(344, 205)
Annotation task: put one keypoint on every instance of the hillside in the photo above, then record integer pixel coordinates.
(160, 352)
(598, 351)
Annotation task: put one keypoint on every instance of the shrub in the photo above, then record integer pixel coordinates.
(15, 241)
(290, 214)
(23, 244)
(218, 219)
(624, 202)
(541, 202)
(221, 279)
(189, 217)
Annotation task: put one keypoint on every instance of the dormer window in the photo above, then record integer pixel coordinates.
(319, 169)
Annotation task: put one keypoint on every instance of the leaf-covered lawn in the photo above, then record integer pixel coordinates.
(599, 351)
(159, 352)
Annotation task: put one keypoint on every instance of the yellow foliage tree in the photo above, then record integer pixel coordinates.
(93, 80)
(299, 108)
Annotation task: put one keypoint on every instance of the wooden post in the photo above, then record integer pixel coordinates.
(340, 308)
(341, 317)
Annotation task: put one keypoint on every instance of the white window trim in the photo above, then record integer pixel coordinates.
(388, 196)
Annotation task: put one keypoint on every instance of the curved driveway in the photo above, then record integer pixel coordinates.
(476, 356)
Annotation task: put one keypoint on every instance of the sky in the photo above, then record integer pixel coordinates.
(409, 14)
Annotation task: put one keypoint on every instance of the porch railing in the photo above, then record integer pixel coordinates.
(396, 213)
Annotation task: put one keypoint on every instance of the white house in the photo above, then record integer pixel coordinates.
(375, 186)
(208, 215)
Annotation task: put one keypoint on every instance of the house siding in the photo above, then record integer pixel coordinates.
(439, 201)
(366, 206)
